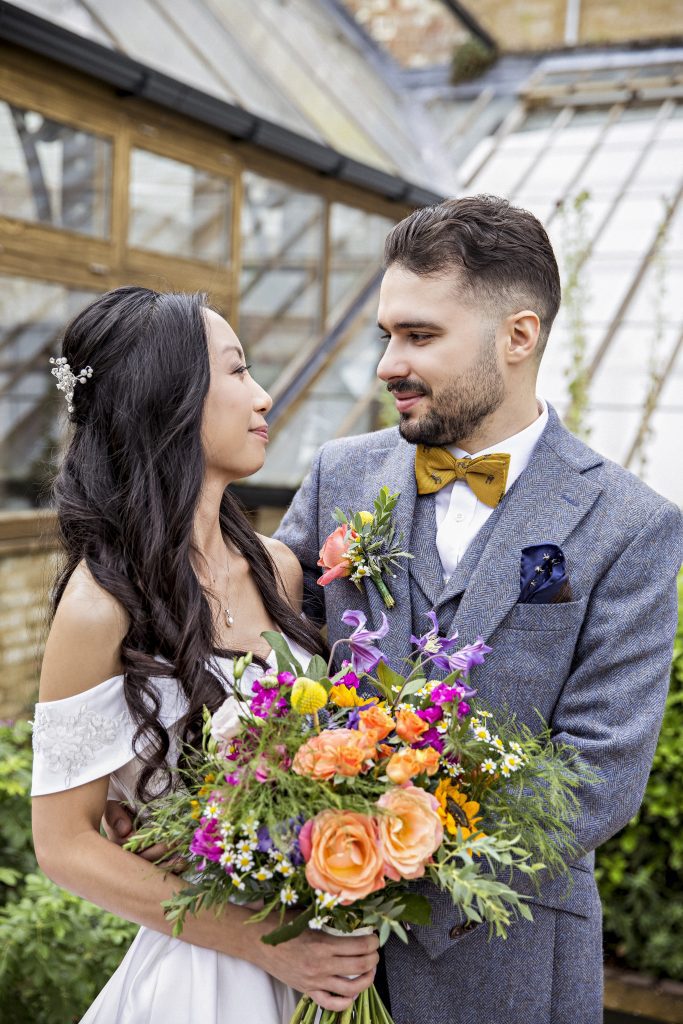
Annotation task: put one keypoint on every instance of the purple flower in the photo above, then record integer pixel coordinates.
(430, 715)
(233, 779)
(347, 678)
(463, 709)
(466, 657)
(431, 738)
(264, 839)
(443, 694)
(205, 842)
(267, 701)
(434, 646)
(364, 657)
(286, 678)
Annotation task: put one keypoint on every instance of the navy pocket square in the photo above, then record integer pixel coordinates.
(543, 575)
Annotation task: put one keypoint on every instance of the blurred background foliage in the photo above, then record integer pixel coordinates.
(58, 950)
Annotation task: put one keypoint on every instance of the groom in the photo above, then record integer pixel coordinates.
(467, 302)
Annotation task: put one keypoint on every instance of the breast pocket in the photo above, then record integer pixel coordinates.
(533, 648)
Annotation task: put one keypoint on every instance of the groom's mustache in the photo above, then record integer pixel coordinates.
(411, 387)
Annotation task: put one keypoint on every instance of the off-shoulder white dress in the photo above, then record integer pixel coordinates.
(161, 980)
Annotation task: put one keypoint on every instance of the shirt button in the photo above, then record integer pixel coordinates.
(458, 517)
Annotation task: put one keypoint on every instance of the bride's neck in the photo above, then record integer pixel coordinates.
(206, 534)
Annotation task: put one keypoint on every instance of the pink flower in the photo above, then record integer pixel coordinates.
(410, 831)
(343, 854)
(205, 842)
(334, 555)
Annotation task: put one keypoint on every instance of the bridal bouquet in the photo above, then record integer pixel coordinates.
(323, 805)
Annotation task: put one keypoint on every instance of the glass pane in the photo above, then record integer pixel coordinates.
(281, 283)
(179, 209)
(32, 318)
(53, 173)
(356, 249)
(327, 404)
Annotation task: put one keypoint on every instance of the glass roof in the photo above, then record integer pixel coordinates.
(288, 62)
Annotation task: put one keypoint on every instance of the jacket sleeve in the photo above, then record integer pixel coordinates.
(299, 531)
(612, 704)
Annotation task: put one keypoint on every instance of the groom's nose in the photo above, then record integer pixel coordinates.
(392, 366)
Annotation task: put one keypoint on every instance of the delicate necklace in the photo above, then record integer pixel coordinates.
(225, 608)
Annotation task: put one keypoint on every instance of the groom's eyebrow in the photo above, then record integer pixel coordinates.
(413, 325)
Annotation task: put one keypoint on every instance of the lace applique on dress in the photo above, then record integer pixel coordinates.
(69, 742)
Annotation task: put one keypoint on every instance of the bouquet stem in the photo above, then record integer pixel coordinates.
(385, 593)
(368, 1008)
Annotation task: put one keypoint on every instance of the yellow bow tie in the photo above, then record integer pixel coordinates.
(486, 475)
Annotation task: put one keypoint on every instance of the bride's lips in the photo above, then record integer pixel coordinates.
(261, 432)
(404, 402)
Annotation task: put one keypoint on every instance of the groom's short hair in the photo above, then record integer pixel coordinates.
(501, 254)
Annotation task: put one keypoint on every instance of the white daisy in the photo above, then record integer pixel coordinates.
(288, 896)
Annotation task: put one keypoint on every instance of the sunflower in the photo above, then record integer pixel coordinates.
(456, 810)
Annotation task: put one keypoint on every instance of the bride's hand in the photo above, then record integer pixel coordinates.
(323, 966)
(119, 826)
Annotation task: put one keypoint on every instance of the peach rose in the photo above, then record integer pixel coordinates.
(409, 727)
(406, 763)
(375, 722)
(333, 752)
(334, 555)
(410, 831)
(343, 854)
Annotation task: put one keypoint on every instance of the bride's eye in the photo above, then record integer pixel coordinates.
(243, 369)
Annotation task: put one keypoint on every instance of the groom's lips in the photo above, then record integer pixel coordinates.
(404, 402)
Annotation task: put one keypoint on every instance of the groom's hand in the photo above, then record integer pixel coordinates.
(332, 970)
(119, 826)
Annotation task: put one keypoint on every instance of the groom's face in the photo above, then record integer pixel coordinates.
(441, 362)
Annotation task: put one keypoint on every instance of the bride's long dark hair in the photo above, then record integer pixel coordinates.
(126, 496)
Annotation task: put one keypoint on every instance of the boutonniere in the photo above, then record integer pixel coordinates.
(364, 546)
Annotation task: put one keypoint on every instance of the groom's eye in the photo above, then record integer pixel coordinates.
(419, 337)
(385, 337)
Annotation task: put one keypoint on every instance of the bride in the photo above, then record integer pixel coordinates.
(164, 581)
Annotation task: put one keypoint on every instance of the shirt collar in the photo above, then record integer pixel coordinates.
(519, 446)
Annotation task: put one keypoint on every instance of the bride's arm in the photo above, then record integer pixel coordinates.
(82, 651)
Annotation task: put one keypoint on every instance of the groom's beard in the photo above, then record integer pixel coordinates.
(459, 407)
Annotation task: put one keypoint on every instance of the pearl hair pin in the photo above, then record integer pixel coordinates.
(66, 380)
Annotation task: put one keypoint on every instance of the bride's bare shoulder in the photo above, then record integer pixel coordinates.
(83, 647)
(290, 570)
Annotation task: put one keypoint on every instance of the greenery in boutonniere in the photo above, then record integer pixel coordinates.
(364, 546)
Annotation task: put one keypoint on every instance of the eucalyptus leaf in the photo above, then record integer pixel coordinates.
(317, 668)
(290, 930)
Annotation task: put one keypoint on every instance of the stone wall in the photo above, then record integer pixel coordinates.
(28, 560)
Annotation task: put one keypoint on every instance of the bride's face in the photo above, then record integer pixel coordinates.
(234, 430)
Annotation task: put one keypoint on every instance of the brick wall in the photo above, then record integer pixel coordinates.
(28, 560)
(424, 32)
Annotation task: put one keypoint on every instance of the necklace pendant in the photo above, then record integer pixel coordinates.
(228, 618)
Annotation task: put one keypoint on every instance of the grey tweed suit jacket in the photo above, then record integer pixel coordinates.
(596, 668)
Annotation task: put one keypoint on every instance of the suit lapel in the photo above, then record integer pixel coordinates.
(544, 505)
(425, 567)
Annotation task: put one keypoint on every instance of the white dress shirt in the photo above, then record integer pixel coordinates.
(459, 513)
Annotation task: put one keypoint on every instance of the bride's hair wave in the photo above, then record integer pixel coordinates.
(126, 496)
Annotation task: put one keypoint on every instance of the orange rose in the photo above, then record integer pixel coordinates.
(334, 555)
(409, 727)
(333, 752)
(406, 763)
(343, 854)
(375, 722)
(410, 831)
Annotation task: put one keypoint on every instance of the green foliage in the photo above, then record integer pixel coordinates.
(640, 870)
(471, 59)
(575, 294)
(58, 951)
(15, 810)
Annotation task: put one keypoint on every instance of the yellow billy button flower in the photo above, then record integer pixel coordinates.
(365, 517)
(308, 696)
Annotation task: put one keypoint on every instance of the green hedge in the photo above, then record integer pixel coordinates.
(58, 950)
(640, 870)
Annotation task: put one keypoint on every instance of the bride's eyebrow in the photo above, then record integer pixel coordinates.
(234, 350)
